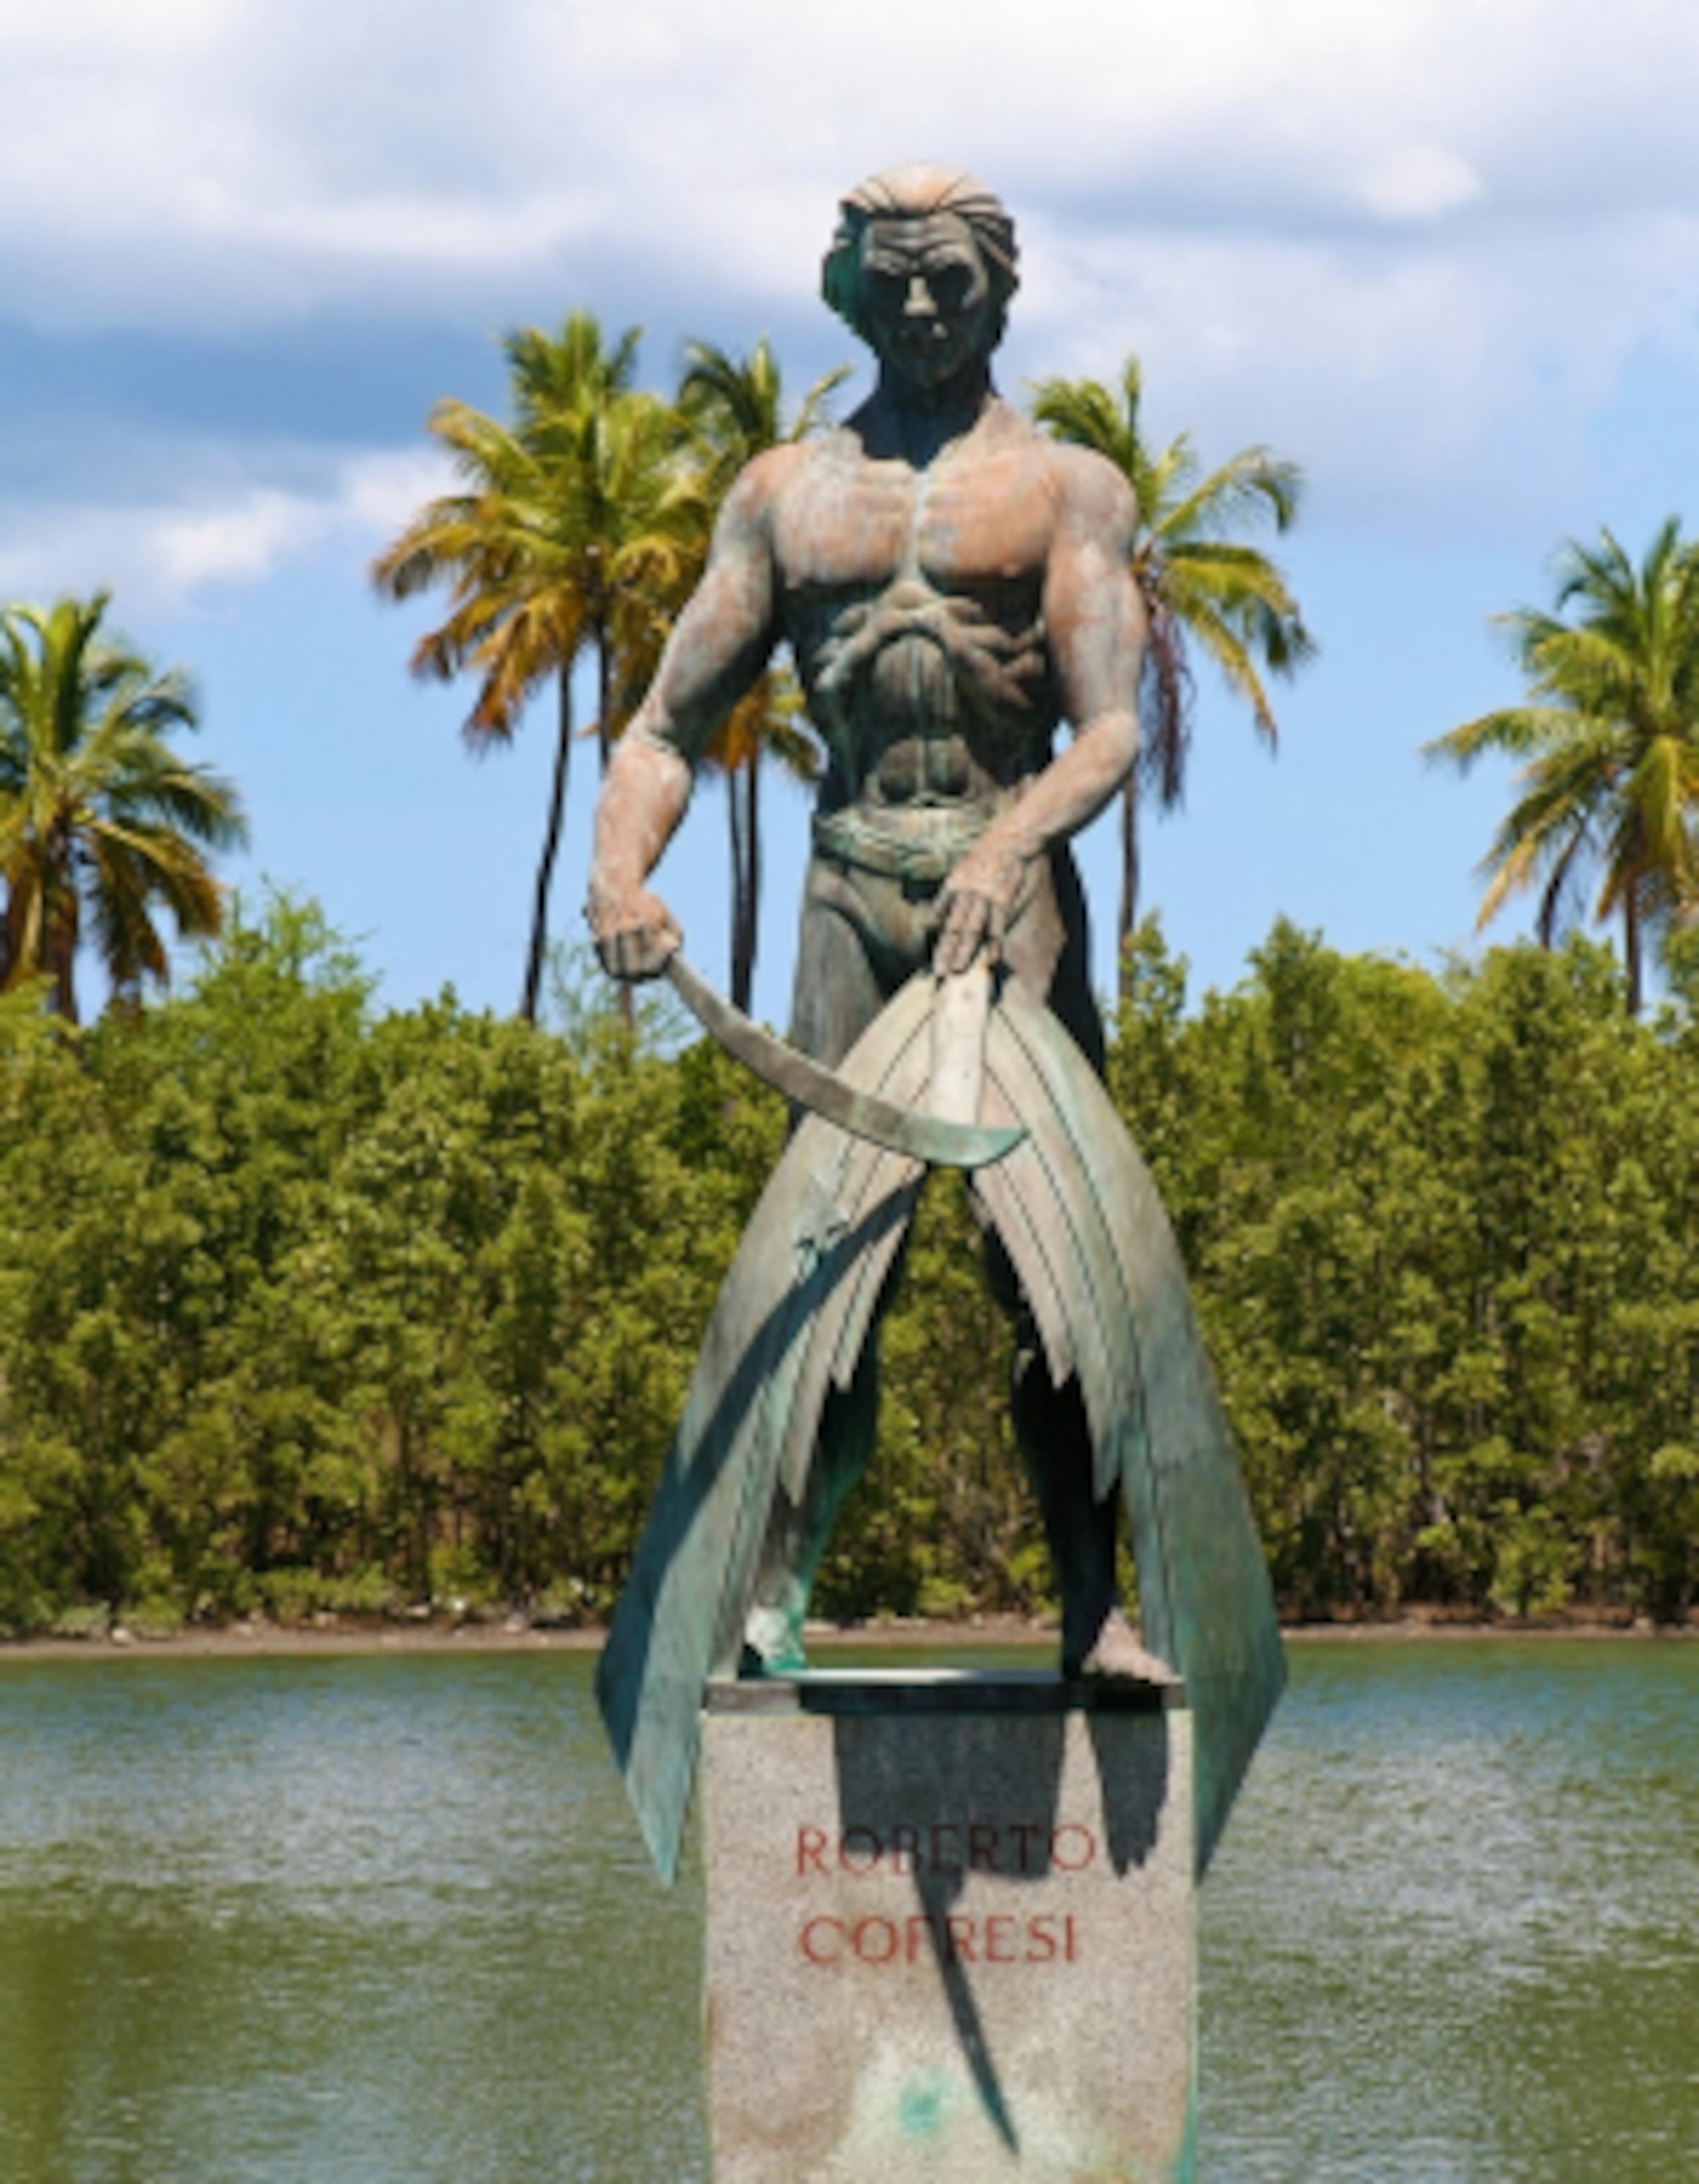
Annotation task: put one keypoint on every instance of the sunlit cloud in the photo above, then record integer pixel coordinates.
(165, 557)
(1417, 243)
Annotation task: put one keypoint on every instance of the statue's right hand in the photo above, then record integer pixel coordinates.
(634, 932)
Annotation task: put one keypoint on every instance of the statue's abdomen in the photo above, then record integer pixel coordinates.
(919, 696)
(913, 689)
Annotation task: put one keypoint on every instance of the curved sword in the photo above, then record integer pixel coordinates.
(864, 1114)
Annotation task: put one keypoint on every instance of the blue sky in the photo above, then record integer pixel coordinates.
(1442, 252)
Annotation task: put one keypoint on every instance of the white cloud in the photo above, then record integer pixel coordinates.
(220, 533)
(1420, 182)
(314, 136)
(1414, 241)
(1431, 386)
(238, 543)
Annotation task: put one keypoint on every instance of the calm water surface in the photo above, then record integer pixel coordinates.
(349, 1920)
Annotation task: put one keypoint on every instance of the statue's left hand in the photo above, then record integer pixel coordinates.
(975, 905)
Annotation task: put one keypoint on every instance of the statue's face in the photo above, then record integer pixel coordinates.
(926, 302)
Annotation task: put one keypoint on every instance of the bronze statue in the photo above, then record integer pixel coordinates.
(953, 586)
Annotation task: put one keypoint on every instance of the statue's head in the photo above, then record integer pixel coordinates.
(922, 267)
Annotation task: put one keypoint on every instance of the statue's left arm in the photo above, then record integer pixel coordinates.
(1095, 624)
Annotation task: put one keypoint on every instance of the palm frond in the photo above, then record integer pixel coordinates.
(1252, 487)
(1213, 628)
(1516, 730)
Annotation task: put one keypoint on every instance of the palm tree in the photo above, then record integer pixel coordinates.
(575, 531)
(736, 410)
(1199, 585)
(101, 820)
(1609, 739)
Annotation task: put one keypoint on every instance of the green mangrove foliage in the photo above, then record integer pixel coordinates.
(1444, 1239)
(304, 1307)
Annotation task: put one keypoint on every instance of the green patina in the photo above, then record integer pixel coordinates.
(922, 2104)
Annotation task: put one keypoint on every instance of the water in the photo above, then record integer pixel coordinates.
(355, 1919)
(1453, 1932)
(327, 1920)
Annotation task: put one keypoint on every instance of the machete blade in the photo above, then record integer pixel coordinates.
(807, 1085)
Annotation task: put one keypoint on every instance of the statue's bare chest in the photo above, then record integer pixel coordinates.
(969, 523)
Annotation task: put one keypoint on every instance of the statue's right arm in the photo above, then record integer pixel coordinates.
(718, 646)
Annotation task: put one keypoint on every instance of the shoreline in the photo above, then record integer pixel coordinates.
(332, 1636)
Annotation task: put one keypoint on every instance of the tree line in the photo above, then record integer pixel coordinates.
(305, 1307)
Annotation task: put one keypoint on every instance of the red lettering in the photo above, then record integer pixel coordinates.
(863, 1948)
(993, 1955)
(981, 1848)
(869, 1858)
(1001, 1939)
(904, 1845)
(805, 1939)
(936, 1861)
(811, 1850)
(1078, 1864)
(1026, 1834)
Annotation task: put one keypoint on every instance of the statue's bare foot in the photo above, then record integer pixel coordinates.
(1116, 1652)
(772, 1644)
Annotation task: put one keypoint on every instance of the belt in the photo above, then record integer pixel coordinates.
(924, 852)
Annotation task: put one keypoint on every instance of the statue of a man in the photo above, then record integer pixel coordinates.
(953, 588)
(952, 585)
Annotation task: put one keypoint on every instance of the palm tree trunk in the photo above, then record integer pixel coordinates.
(754, 859)
(1631, 946)
(604, 744)
(746, 882)
(551, 845)
(1129, 888)
(59, 911)
(734, 821)
(64, 985)
(604, 697)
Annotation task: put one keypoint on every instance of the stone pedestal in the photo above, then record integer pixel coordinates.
(950, 1930)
